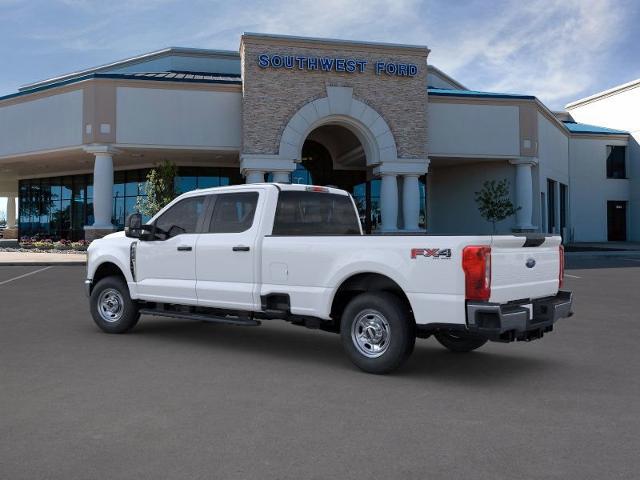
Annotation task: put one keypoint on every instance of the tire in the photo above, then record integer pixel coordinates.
(111, 306)
(460, 343)
(378, 332)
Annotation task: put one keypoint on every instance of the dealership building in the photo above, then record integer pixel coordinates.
(410, 143)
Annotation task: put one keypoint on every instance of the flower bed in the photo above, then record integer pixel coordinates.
(40, 245)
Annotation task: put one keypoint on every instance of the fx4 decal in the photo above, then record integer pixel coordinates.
(431, 252)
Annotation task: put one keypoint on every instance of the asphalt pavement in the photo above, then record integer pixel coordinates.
(180, 399)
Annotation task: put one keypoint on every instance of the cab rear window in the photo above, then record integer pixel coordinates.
(315, 213)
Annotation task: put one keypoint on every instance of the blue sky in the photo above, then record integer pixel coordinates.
(558, 50)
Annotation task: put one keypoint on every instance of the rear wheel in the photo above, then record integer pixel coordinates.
(377, 332)
(111, 306)
(460, 342)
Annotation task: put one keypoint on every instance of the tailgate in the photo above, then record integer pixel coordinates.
(524, 267)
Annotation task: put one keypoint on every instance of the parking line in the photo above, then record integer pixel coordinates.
(572, 276)
(25, 275)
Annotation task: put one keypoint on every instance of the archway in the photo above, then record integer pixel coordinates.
(333, 155)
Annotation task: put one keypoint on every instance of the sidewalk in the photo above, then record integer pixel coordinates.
(37, 259)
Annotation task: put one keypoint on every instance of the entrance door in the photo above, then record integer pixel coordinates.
(166, 267)
(617, 221)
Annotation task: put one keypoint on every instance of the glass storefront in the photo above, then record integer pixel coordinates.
(60, 207)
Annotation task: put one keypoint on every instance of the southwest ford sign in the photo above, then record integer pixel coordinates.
(335, 64)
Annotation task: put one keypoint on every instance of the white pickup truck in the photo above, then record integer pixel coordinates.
(243, 254)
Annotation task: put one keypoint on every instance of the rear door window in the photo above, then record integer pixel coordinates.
(233, 212)
(315, 213)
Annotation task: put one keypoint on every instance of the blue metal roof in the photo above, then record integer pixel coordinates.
(575, 127)
(445, 92)
(188, 77)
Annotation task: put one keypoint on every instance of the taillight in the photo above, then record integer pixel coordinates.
(476, 263)
(561, 270)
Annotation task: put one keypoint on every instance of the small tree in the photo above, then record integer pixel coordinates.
(494, 203)
(159, 188)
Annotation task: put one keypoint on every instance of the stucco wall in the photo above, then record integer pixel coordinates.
(43, 124)
(271, 96)
(452, 197)
(195, 118)
(590, 189)
(465, 129)
(620, 111)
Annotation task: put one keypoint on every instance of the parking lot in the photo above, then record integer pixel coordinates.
(182, 399)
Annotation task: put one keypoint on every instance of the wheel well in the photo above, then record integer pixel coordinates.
(107, 269)
(365, 282)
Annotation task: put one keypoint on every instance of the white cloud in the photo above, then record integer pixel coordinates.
(553, 49)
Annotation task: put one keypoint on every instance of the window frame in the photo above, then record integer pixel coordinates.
(213, 200)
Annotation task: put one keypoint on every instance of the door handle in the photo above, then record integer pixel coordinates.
(240, 248)
(185, 248)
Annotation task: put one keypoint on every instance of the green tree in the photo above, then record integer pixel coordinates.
(494, 203)
(159, 188)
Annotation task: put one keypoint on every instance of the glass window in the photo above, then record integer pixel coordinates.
(182, 217)
(118, 184)
(315, 213)
(616, 161)
(233, 212)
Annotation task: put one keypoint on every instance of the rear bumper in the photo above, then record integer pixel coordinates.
(508, 322)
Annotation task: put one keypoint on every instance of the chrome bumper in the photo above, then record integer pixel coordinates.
(508, 322)
(88, 283)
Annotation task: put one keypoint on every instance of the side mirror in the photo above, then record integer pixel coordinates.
(133, 225)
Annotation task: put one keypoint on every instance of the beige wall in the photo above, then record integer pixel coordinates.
(45, 123)
(473, 129)
(452, 205)
(272, 96)
(179, 117)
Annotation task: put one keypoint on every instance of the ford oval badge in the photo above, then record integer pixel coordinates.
(530, 263)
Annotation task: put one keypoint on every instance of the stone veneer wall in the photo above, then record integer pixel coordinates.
(271, 96)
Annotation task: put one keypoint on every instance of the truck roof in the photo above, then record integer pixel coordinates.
(281, 186)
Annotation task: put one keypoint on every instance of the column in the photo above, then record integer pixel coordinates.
(411, 201)
(524, 192)
(254, 176)
(281, 177)
(102, 191)
(11, 212)
(389, 202)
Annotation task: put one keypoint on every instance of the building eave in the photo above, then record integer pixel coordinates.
(605, 93)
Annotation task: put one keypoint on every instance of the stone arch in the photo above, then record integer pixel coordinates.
(340, 108)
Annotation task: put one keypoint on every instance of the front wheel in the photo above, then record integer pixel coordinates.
(377, 332)
(111, 306)
(460, 342)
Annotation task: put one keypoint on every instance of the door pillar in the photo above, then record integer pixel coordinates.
(11, 212)
(102, 191)
(524, 192)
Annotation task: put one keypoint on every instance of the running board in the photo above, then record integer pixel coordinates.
(248, 322)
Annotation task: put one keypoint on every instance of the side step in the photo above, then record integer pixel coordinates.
(246, 321)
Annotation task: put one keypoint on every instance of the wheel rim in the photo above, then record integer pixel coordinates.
(370, 333)
(110, 305)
